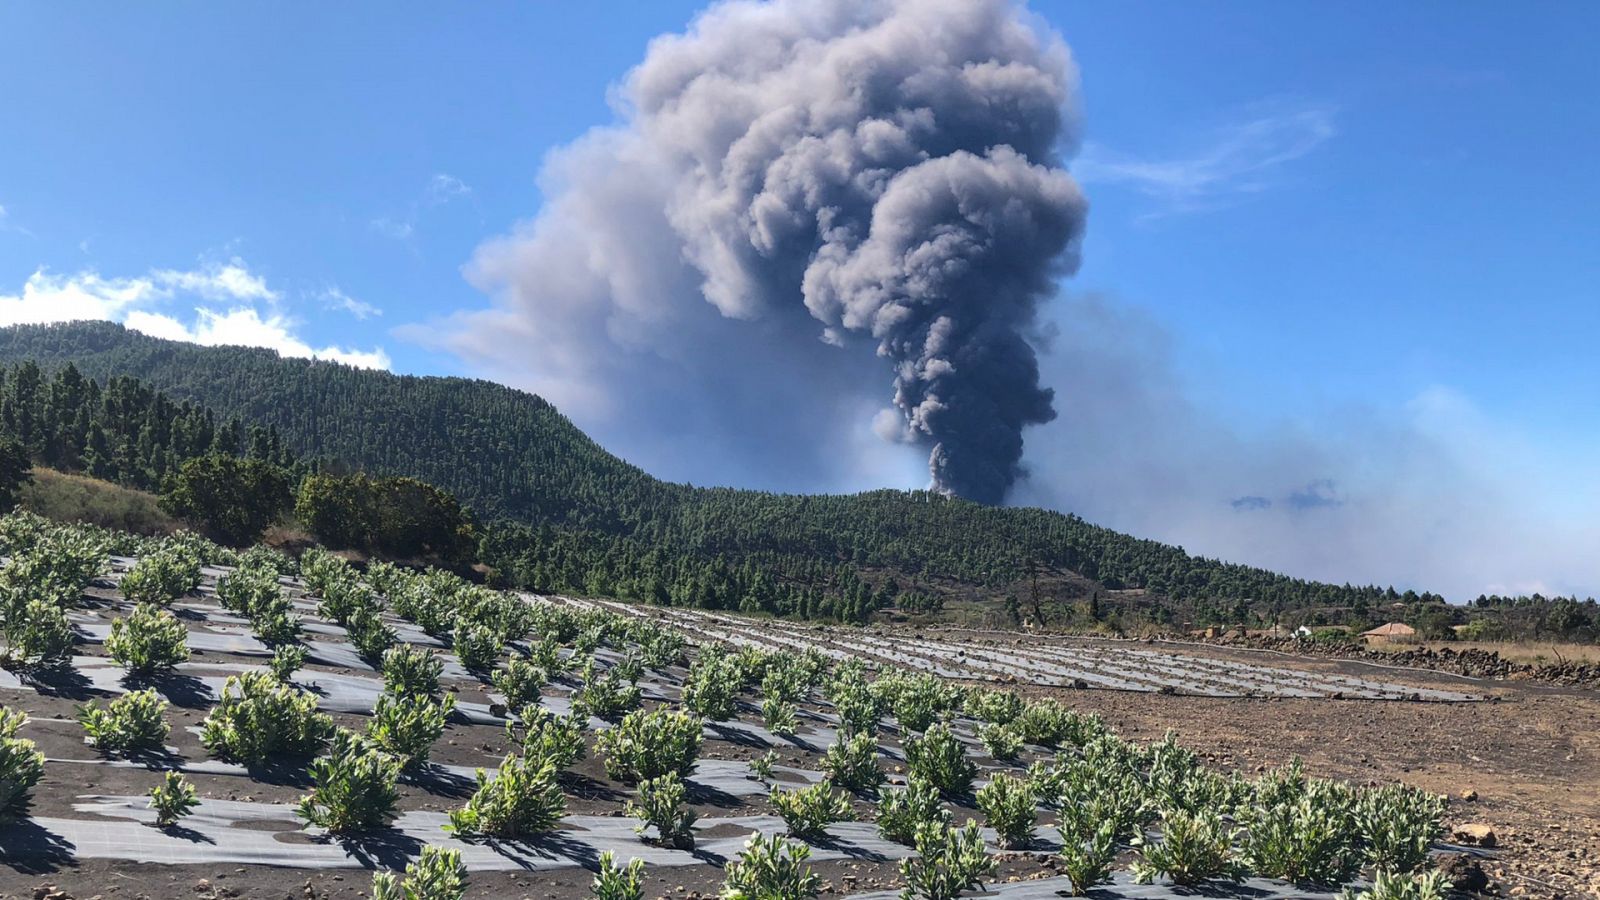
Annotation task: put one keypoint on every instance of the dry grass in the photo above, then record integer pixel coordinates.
(1516, 651)
(79, 498)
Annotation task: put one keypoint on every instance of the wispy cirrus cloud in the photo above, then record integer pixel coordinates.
(441, 190)
(335, 298)
(1246, 156)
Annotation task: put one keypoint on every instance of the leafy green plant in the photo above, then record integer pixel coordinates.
(407, 727)
(162, 576)
(369, 634)
(1007, 802)
(477, 647)
(1194, 848)
(606, 696)
(993, 707)
(770, 868)
(522, 799)
(287, 659)
(948, 861)
(410, 671)
(852, 763)
(612, 883)
(661, 806)
(128, 724)
(520, 681)
(917, 701)
(939, 759)
(354, 786)
(437, 875)
(1002, 741)
(547, 736)
(1434, 885)
(173, 799)
(761, 766)
(1049, 724)
(148, 640)
(854, 703)
(1087, 860)
(779, 716)
(21, 764)
(901, 810)
(649, 744)
(712, 688)
(1308, 840)
(1397, 826)
(810, 811)
(38, 635)
(274, 623)
(257, 719)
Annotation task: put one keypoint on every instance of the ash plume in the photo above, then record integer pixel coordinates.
(871, 173)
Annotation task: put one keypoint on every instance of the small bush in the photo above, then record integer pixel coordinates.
(407, 727)
(520, 681)
(547, 736)
(1194, 848)
(38, 635)
(917, 701)
(129, 724)
(940, 759)
(712, 688)
(1049, 724)
(1002, 741)
(522, 800)
(1087, 861)
(1433, 885)
(901, 810)
(21, 764)
(162, 576)
(172, 799)
(477, 647)
(287, 659)
(148, 640)
(274, 622)
(649, 744)
(410, 671)
(258, 719)
(369, 634)
(661, 806)
(948, 861)
(993, 707)
(761, 766)
(437, 875)
(779, 716)
(809, 812)
(606, 696)
(354, 786)
(770, 868)
(612, 883)
(1007, 802)
(245, 589)
(852, 763)
(855, 705)
(1308, 841)
(1397, 826)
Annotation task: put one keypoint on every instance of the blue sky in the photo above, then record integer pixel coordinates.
(1309, 225)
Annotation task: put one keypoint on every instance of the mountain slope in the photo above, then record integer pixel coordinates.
(589, 519)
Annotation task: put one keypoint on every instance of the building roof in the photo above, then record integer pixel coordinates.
(1391, 629)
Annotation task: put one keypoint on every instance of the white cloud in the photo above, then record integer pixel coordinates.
(137, 303)
(442, 188)
(1242, 158)
(337, 299)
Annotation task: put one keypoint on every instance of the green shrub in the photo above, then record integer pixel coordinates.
(274, 622)
(173, 799)
(354, 786)
(712, 689)
(855, 705)
(287, 659)
(901, 810)
(1309, 840)
(810, 811)
(148, 640)
(779, 716)
(546, 654)
(917, 701)
(1002, 741)
(661, 806)
(547, 736)
(940, 759)
(21, 764)
(407, 727)
(1194, 848)
(38, 635)
(948, 861)
(993, 707)
(162, 576)
(1397, 826)
(770, 868)
(522, 800)
(1434, 885)
(244, 590)
(477, 647)
(410, 671)
(852, 763)
(761, 766)
(520, 681)
(1049, 724)
(612, 883)
(1007, 802)
(437, 875)
(1090, 793)
(257, 719)
(649, 744)
(606, 696)
(129, 724)
(1087, 861)
(369, 634)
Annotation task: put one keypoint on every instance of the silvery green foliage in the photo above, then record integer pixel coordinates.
(612, 883)
(274, 622)
(809, 812)
(649, 744)
(520, 681)
(939, 758)
(1007, 802)
(437, 875)
(713, 685)
(162, 575)
(780, 716)
(369, 634)
(1087, 859)
(258, 720)
(948, 861)
(407, 727)
(1308, 839)
(770, 868)
(1194, 848)
(244, 589)
(147, 640)
(38, 635)
(1049, 724)
(660, 805)
(128, 724)
(761, 766)
(902, 810)
(477, 646)
(287, 659)
(354, 786)
(1397, 826)
(994, 707)
(917, 701)
(1434, 885)
(409, 671)
(1001, 741)
(606, 695)
(523, 799)
(172, 799)
(547, 736)
(21, 764)
(852, 763)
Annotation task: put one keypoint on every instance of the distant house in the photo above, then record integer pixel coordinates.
(1392, 631)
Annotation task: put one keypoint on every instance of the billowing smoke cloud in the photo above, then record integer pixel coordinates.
(854, 174)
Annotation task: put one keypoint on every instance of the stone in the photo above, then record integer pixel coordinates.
(1475, 833)
(1464, 872)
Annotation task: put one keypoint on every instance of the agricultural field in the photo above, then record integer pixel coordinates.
(188, 721)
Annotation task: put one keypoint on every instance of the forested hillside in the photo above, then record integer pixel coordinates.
(577, 518)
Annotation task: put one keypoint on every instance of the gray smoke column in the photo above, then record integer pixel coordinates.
(891, 167)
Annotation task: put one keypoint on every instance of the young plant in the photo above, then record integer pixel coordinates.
(612, 883)
(162, 576)
(1398, 825)
(287, 659)
(406, 727)
(354, 786)
(410, 671)
(1194, 848)
(939, 759)
(661, 806)
(245, 589)
(369, 634)
(606, 696)
(257, 720)
(712, 688)
(148, 640)
(993, 707)
(274, 623)
(901, 810)
(852, 763)
(1087, 861)
(1002, 741)
(1434, 885)
(21, 764)
(779, 716)
(809, 812)
(522, 800)
(761, 766)
(477, 647)
(1306, 841)
(1007, 802)
(855, 705)
(520, 681)
(129, 724)
(38, 636)
(173, 799)
(547, 736)
(437, 875)
(649, 744)
(770, 868)
(948, 861)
